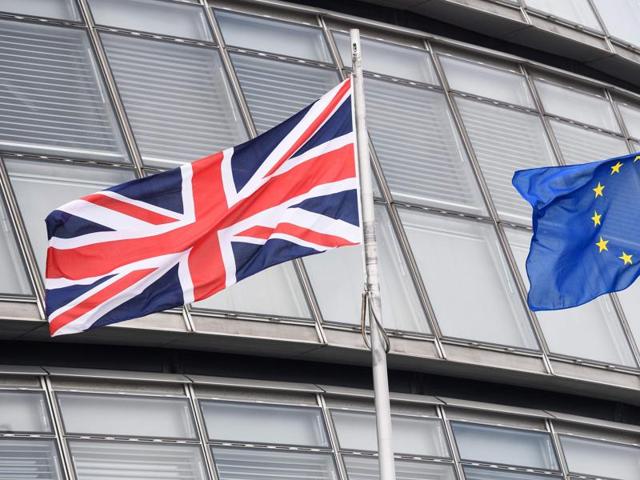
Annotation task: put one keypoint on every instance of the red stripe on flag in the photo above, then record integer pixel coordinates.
(128, 209)
(326, 240)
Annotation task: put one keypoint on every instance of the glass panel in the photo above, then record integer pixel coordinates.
(411, 435)
(601, 336)
(621, 18)
(244, 422)
(118, 461)
(252, 464)
(276, 90)
(572, 103)
(51, 99)
(273, 36)
(389, 59)
(28, 459)
(630, 300)
(130, 416)
(472, 473)
(366, 468)
(577, 11)
(505, 141)
(467, 278)
(416, 141)
(579, 145)
(631, 117)
(23, 412)
(41, 187)
(64, 9)
(13, 278)
(337, 280)
(601, 458)
(506, 446)
(486, 81)
(183, 108)
(152, 16)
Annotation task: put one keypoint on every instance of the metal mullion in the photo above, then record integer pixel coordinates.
(202, 431)
(451, 443)
(333, 437)
(603, 26)
(56, 421)
(299, 268)
(558, 449)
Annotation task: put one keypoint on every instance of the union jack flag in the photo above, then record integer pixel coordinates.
(182, 235)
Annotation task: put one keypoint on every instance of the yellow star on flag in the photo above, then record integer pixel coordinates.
(626, 258)
(616, 168)
(596, 218)
(636, 159)
(599, 188)
(602, 244)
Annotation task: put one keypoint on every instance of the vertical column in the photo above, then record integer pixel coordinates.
(56, 417)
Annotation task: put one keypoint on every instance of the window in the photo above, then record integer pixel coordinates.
(472, 473)
(51, 99)
(631, 116)
(338, 285)
(577, 11)
(621, 18)
(130, 416)
(273, 36)
(504, 141)
(23, 412)
(420, 151)
(389, 59)
(63, 9)
(41, 187)
(509, 446)
(366, 468)
(29, 458)
(166, 18)
(602, 337)
(467, 279)
(592, 457)
(580, 145)
(276, 90)
(183, 108)
(629, 300)
(13, 278)
(238, 422)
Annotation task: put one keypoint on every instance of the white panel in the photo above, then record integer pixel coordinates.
(63, 9)
(273, 36)
(183, 108)
(579, 145)
(505, 141)
(630, 300)
(467, 279)
(631, 117)
(621, 18)
(602, 459)
(366, 468)
(177, 20)
(472, 473)
(576, 11)
(13, 278)
(23, 412)
(416, 141)
(28, 459)
(51, 97)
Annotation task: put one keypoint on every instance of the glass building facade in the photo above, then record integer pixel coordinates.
(98, 92)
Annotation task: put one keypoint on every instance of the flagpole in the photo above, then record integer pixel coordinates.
(378, 353)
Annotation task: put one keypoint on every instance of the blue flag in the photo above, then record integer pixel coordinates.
(586, 230)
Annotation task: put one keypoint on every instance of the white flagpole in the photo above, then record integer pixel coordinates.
(378, 354)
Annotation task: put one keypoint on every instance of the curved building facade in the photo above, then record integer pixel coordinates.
(270, 379)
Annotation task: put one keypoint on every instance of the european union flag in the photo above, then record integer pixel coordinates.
(586, 230)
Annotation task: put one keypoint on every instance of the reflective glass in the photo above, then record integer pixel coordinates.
(577, 11)
(23, 412)
(417, 143)
(600, 333)
(183, 108)
(13, 278)
(51, 97)
(504, 141)
(252, 464)
(246, 422)
(63, 9)
(366, 468)
(390, 59)
(337, 281)
(486, 81)
(577, 105)
(579, 145)
(41, 187)
(467, 279)
(631, 116)
(621, 18)
(472, 473)
(130, 416)
(139, 461)
(28, 459)
(506, 446)
(604, 459)
(630, 300)
(276, 90)
(273, 36)
(411, 435)
(177, 20)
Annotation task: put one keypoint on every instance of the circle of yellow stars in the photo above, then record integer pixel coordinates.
(598, 191)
